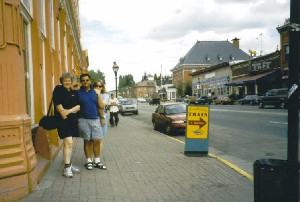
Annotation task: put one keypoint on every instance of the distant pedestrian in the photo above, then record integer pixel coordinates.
(113, 111)
(66, 102)
(90, 121)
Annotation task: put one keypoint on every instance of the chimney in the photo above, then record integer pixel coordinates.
(236, 42)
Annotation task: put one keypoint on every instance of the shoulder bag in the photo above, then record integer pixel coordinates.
(49, 122)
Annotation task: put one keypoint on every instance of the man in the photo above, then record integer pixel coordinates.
(114, 110)
(90, 121)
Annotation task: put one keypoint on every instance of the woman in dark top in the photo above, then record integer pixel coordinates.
(66, 102)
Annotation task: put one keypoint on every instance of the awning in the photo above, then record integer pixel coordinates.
(267, 76)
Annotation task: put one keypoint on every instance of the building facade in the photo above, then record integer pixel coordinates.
(205, 54)
(39, 40)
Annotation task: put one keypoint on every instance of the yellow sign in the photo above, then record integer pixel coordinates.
(197, 119)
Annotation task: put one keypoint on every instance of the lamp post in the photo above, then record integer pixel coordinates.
(115, 69)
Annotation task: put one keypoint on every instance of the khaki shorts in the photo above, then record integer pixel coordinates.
(90, 129)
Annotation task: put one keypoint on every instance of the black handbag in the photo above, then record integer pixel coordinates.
(49, 122)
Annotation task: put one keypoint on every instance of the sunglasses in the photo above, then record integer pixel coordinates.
(99, 86)
(85, 80)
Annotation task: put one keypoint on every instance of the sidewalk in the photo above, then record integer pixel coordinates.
(143, 165)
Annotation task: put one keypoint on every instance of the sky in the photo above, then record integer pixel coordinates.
(150, 36)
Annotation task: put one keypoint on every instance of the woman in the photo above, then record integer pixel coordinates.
(66, 102)
(105, 97)
(99, 84)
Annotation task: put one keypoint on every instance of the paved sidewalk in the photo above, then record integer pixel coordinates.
(143, 165)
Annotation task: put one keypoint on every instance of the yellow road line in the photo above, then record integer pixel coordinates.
(232, 166)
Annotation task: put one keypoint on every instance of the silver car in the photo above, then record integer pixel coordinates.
(128, 106)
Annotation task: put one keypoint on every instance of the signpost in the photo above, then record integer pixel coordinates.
(197, 122)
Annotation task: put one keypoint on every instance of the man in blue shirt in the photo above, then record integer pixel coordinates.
(90, 122)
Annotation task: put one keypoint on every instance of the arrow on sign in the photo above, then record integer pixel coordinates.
(200, 123)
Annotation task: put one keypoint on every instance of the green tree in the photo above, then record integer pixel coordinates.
(126, 81)
(179, 89)
(96, 75)
(188, 88)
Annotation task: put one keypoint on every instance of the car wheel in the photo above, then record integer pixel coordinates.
(283, 106)
(137, 112)
(155, 125)
(168, 130)
(261, 105)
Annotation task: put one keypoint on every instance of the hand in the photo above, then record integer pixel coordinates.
(97, 91)
(65, 113)
(102, 121)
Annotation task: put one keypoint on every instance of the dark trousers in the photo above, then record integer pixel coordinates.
(114, 118)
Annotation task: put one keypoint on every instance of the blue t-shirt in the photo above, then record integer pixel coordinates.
(88, 101)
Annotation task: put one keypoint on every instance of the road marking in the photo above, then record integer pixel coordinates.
(278, 122)
(251, 112)
(232, 166)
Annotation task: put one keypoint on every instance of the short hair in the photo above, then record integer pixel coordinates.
(65, 76)
(83, 75)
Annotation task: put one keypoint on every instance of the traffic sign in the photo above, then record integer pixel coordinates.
(197, 122)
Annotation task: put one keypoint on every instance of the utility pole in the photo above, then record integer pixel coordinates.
(293, 102)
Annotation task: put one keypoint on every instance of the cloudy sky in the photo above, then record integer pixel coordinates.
(151, 35)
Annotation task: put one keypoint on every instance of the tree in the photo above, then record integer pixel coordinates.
(96, 75)
(126, 84)
(188, 88)
(179, 89)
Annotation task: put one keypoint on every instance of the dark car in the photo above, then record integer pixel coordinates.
(203, 100)
(154, 101)
(249, 99)
(170, 117)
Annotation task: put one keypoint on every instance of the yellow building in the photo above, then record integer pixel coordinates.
(39, 40)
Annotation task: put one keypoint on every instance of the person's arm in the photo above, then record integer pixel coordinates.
(65, 112)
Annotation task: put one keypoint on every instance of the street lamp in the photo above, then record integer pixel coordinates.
(115, 69)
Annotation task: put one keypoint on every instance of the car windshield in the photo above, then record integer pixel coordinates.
(127, 102)
(175, 109)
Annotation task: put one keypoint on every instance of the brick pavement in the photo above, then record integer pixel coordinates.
(143, 165)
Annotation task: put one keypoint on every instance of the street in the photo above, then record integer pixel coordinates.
(239, 134)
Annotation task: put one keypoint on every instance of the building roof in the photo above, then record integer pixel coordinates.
(212, 52)
(149, 83)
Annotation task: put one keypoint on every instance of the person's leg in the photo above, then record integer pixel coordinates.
(116, 118)
(88, 153)
(67, 151)
(111, 119)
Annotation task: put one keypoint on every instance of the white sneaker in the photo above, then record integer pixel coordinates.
(68, 172)
(75, 169)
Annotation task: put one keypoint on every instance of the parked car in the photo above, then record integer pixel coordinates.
(142, 100)
(224, 100)
(179, 99)
(154, 101)
(128, 106)
(170, 117)
(203, 100)
(249, 99)
(275, 97)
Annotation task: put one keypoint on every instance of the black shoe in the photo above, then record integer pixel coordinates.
(116, 124)
(112, 125)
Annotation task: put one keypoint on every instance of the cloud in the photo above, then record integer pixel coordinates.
(151, 36)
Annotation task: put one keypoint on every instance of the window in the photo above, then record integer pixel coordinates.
(52, 20)
(28, 5)
(286, 53)
(42, 17)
